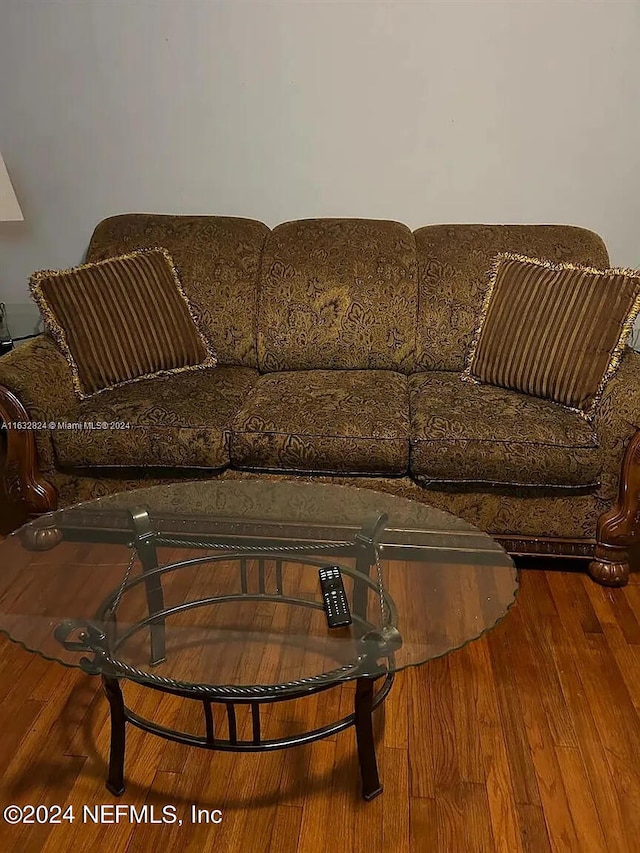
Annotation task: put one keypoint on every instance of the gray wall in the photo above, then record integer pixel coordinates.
(419, 111)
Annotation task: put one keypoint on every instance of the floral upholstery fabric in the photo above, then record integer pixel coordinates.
(295, 499)
(617, 419)
(507, 514)
(500, 514)
(503, 512)
(178, 421)
(75, 488)
(217, 258)
(338, 293)
(453, 264)
(343, 421)
(483, 434)
(39, 376)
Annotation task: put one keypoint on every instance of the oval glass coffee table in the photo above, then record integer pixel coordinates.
(209, 590)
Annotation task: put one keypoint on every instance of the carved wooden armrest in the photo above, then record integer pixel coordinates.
(23, 480)
(619, 529)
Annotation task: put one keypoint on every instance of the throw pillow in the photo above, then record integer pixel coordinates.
(121, 320)
(553, 330)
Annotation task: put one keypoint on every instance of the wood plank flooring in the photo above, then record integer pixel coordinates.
(526, 740)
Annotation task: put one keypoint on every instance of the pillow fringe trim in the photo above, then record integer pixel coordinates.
(617, 353)
(56, 330)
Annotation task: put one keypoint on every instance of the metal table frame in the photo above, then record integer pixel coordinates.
(236, 541)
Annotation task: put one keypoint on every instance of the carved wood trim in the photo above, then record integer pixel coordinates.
(619, 528)
(546, 546)
(621, 525)
(23, 481)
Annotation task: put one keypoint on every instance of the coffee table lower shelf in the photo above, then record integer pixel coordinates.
(367, 699)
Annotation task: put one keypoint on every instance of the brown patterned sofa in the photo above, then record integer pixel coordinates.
(340, 346)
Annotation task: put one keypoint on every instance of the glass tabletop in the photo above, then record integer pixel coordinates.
(213, 585)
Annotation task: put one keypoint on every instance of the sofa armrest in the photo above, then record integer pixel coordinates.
(39, 375)
(617, 419)
(39, 383)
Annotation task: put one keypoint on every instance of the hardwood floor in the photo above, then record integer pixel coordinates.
(526, 740)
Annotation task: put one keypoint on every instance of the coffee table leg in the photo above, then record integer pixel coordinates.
(371, 786)
(113, 692)
(146, 548)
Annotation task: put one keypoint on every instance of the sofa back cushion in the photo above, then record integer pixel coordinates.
(217, 259)
(454, 263)
(338, 293)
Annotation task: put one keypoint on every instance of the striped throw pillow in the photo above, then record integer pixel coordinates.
(121, 320)
(553, 330)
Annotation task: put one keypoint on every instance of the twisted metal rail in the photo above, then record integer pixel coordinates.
(103, 663)
(258, 549)
(116, 668)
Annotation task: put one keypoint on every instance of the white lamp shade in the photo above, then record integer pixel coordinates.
(9, 207)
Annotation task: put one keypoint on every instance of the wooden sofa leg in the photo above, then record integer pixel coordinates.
(23, 482)
(619, 529)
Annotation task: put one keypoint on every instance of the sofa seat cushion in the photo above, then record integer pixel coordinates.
(324, 421)
(462, 433)
(178, 421)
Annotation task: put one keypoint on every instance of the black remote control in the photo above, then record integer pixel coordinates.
(336, 607)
